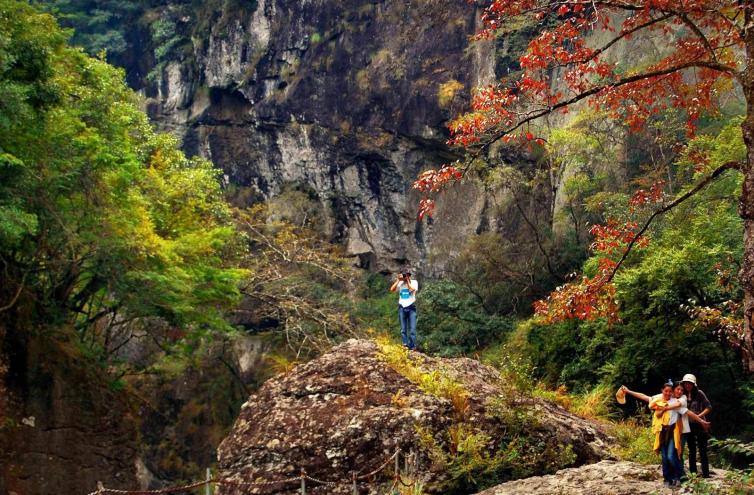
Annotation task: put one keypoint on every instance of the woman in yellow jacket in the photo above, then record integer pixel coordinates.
(667, 430)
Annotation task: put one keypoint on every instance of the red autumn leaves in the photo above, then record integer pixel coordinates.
(589, 298)
(434, 181)
(565, 64)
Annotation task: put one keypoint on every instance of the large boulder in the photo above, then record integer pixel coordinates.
(350, 410)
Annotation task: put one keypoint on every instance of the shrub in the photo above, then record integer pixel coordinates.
(635, 441)
(447, 91)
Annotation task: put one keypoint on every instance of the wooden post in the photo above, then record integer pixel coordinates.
(303, 482)
(353, 478)
(397, 462)
(208, 478)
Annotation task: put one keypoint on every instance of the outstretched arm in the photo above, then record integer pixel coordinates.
(638, 395)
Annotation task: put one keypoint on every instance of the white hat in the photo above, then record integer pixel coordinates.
(688, 377)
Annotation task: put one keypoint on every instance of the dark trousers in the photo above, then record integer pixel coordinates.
(698, 438)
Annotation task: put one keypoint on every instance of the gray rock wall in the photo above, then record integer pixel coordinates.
(340, 98)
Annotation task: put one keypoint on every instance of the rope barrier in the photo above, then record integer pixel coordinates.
(303, 476)
(171, 489)
(384, 465)
(322, 482)
(255, 483)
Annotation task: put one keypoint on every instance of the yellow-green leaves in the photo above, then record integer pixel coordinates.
(100, 217)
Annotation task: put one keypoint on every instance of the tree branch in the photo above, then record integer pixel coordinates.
(698, 32)
(732, 165)
(13, 301)
(597, 89)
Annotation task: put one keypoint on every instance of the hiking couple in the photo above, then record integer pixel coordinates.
(672, 408)
(406, 288)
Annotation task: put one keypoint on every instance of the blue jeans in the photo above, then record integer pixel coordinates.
(407, 316)
(672, 467)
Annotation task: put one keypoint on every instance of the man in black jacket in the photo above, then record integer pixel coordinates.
(700, 404)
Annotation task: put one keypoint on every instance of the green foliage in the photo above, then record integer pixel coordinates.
(97, 25)
(168, 41)
(635, 441)
(691, 260)
(377, 307)
(736, 483)
(102, 221)
(517, 372)
(451, 320)
(454, 322)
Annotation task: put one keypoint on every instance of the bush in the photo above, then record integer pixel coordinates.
(452, 322)
(635, 441)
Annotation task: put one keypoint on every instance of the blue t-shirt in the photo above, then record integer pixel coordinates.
(405, 298)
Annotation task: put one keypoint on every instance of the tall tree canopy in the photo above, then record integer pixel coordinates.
(102, 220)
(706, 47)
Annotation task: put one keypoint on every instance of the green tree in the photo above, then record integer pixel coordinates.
(102, 220)
(688, 266)
(97, 26)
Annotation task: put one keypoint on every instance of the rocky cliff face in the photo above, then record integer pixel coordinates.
(349, 411)
(346, 100)
(67, 424)
(62, 428)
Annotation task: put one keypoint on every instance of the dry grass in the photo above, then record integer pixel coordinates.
(447, 91)
(281, 364)
(593, 404)
(634, 441)
(436, 382)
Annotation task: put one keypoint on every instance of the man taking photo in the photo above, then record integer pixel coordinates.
(406, 288)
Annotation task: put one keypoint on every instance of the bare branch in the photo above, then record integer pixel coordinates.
(13, 301)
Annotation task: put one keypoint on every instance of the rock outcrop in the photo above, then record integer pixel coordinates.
(345, 100)
(349, 411)
(603, 478)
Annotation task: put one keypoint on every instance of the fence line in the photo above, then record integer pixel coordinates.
(302, 478)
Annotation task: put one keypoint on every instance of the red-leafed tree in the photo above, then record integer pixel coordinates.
(708, 47)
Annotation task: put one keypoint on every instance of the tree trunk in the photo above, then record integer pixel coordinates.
(746, 204)
(746, 274)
